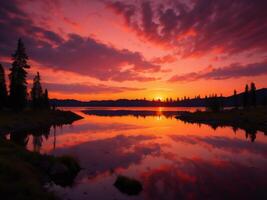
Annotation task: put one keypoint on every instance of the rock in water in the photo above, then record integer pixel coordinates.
(128, 186)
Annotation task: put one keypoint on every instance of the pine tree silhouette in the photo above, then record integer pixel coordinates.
(3, 90)
(246, 97)
(17, 76)
(37, 92)
(46, 100)
(235, 99)
(253, 94)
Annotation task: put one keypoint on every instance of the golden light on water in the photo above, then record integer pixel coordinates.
(159, 113)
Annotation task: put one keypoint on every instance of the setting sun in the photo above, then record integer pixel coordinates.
(159, 98)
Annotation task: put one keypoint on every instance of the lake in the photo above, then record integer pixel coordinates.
(170, 158)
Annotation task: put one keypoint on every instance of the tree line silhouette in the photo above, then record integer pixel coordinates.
(18, 98)
(254, 97)
(249, 99)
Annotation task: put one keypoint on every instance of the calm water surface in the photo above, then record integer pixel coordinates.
(172, 159)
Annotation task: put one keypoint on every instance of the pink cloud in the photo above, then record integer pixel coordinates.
(73, 53)
(87, 88)
(198, 27)
(164, 59)
(235, 70)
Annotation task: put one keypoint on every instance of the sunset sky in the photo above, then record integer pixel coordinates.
(89, 49)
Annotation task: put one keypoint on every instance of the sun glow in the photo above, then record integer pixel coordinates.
(159, 98)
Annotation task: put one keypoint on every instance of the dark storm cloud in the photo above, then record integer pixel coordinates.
(232, 71)
(199, 26)
(77, 54)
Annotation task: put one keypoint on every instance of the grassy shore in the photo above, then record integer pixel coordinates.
(23, 174)
(251, 119)
(32, 119)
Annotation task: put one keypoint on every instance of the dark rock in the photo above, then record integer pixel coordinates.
(58, 169)
(128, 186)
(64, 171)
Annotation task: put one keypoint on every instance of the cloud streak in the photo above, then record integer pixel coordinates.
(87, 89)
(232, 71)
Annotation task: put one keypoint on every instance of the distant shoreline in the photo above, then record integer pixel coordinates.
(125, 106)
(230, 101)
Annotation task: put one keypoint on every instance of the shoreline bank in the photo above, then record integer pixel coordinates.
(33, 119)
(24, 174)
(251, 119)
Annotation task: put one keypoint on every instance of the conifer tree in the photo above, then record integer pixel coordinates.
(245, 97)
(235, 99)
(17, 76)
(253, 94)
(37, 92)
(46, 100)
(3, 90)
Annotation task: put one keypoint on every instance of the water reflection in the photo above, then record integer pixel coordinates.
(196, 178)
(135, 113)
(232, 145)
(172, 159)
(250, 131)
(36, 136)
(110, 154)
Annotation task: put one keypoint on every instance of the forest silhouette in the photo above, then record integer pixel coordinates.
(17, 97)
